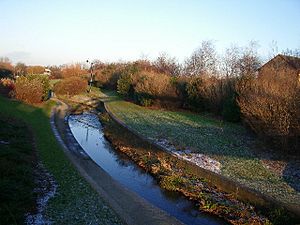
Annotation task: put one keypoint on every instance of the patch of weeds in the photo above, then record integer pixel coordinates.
(207, 202)
(172, 182)
(104, 117)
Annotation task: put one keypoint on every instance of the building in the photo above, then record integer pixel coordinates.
(47, 72)
(287, 67)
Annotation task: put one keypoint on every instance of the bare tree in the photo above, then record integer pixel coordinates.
(202, 61)
(167, 65)
(273, 51)
(230, 61)
(292, 52)
(20, 69)
(249, 61)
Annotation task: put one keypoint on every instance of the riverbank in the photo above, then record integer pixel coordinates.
(202, 139)
(131, 208)
(278, 215)
(75, 201)
(173, 176)
(169, 172)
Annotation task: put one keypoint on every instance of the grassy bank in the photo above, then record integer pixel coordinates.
(228, 143)
(75, 201)
(17, 160)
(176, 177)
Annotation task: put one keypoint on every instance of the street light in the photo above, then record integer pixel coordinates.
(91, 80)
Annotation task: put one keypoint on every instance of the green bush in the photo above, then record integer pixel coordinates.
(231, 111)
(124, 84)
(143, 99)
(196, 99)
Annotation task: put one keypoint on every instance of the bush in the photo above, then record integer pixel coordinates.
(143, 99)
(125, 81)
(231, 111)
(73, 70)
(7, 87)
(108, 76)
(124, 84)
(70, 86)
(197, 94)
(44, 80)
(29, 90)
(154, 86)
(270, 110)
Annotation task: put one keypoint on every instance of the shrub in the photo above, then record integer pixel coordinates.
(29, 91)
(108, 76)
(73, 70)
(7, 87)
(197, 94)
(206, 93)
(143, 99)
(124, 84)
(70, 86)
(231, 111)
(125, 81)
(180, 84)
(155, 87)
(44, 80)
(270, 110)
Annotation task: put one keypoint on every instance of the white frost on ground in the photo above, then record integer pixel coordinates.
(200, 160)
(46, 189)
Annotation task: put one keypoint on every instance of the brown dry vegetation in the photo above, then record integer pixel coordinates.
(73, 70)
(70, 86)
(271, 107)
(29, 91)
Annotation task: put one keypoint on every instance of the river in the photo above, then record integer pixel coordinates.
(87, 130)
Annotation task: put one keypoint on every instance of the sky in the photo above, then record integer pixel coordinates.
(43, 32)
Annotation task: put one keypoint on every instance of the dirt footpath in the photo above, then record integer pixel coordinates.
(131, 208)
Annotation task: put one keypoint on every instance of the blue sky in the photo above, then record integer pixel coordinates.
(57, 32)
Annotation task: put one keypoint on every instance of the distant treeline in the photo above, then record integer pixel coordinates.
(227, 86)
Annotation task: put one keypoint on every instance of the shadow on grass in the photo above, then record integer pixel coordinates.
(76, 197)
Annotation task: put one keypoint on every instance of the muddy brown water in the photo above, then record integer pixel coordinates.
(87, 130)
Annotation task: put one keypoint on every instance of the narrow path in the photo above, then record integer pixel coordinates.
(129, 206)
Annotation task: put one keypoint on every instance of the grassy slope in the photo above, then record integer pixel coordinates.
(16, 171)
(76, 202)
(229, 143)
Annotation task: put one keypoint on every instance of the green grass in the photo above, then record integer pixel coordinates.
(16, 171)
(75, 202)
(228, 143)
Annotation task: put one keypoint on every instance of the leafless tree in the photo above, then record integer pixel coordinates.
(292, 52)
(202, 61)
(167, 65)
(230, 62)
(249, 61)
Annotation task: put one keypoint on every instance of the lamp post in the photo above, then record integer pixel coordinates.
(91, 80)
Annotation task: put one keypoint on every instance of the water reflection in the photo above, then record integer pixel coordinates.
(87, 130)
